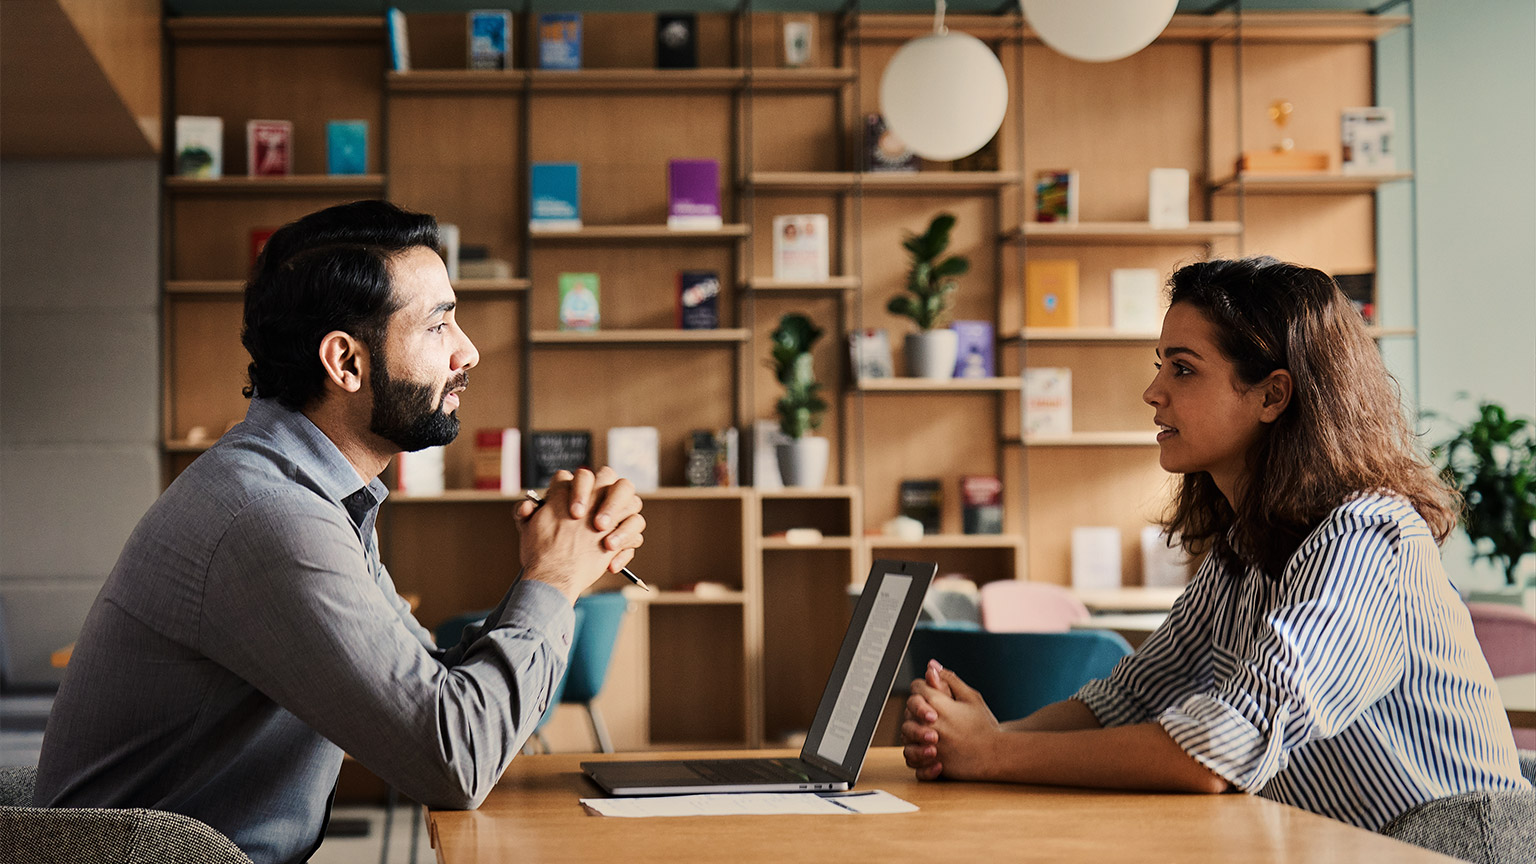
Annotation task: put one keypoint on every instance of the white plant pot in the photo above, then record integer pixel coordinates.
(932, 353)
(803, 461)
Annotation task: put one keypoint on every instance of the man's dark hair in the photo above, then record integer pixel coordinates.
(327, 271)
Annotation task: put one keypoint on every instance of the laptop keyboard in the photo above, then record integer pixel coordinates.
(749, 771)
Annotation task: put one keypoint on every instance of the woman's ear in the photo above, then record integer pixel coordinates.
(1276, 389)
(344, 358)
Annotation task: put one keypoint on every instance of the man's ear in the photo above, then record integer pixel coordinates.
(1276, 389)
(345, 359)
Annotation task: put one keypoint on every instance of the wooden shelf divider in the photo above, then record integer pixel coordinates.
(638, 233)
(941, 385)
(1120, 233)
(596, 338)
(1305, 183)
(297, 184)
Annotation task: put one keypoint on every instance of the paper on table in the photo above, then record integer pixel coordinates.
(750, 804)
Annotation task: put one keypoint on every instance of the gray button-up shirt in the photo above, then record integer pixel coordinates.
(249, 635)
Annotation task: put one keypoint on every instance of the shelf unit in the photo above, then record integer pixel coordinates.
(458, 143)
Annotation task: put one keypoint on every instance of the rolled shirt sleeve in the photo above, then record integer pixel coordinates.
(293, 611)
(1171, 664)
(1330, 647)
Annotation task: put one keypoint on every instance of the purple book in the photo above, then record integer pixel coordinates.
(975, 357)
(693, 194)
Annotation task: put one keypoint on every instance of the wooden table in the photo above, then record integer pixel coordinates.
(533, 816)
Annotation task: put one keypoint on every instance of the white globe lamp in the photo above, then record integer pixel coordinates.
(1098, 31)
(945, 94)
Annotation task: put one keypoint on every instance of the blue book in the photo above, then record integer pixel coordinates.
(560, 40)
(346, 146)
(554, 197)
(975, 358)
(489, 38)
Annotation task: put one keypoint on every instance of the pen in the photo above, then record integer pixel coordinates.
(628, 573)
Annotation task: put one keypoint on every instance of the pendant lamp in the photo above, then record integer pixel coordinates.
(944, 94)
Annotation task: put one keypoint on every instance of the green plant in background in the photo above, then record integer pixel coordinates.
(931, 282)
(1492, 460)
(801, 407)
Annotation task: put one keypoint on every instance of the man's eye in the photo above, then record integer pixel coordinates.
(439, 328)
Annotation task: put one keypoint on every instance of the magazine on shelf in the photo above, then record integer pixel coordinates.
(870, 352)
(883, 151)
(1046, 403)
(490, 39)
(560, 40)
(1366, 135)
(268, 148)
(200, 147)
(981, 504)
(974, 357)
(693, 194)
(346, 146)
(800, 248)
(1050, 292)
(698, 299)
(677, 40)
(634, 453)
(799, 39)
(580, 302)
(499, 460)
(1135, 300)
(553, 451)
(420, 472)
(922, 500)
(1095, 558)
(1168, 197)
(554, 196)
(1056, 194)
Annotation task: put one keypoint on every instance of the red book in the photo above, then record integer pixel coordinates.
(269, 148)
(259, 238)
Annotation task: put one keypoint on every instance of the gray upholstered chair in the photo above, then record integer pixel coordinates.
(31, 835)
(1485, 827)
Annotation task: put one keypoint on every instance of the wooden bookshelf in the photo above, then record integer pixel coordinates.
(1302, 183)
(298, 184)
(946, 385)
(570, 338)
(638, 233)
(833, 284)
(1120, 233)
(916, 182)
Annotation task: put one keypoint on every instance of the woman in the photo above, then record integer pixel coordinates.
(1320, 657)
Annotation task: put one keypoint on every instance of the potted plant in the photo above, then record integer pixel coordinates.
(1492, 460)
(803, 460)
(930, 286)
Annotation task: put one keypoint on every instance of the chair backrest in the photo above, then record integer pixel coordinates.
(1016, 606)
(598, 617)
(1507, 635)
(448, 633)
(1019, 673)
(1482, 827)
(16, 784)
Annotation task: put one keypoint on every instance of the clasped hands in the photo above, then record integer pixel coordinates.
(948, 729)
(590, 525)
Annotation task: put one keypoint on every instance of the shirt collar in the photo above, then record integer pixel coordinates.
(302, 442)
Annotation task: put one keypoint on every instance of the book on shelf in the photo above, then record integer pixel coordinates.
(698, 299)
(634, 453)
(268, 148)
(1135, 300)
(677, 40)
(922, 500)
(693, 194)
(560, 40)
(199, 147)
(766, 436)
(563, 450)
(801, 252)
(259, 238)
(1366, 135)
(884, 151)
(799, 45)
(1095, 558)
(579, 302)
(1164, 563)
(711, 458)
(346, 147)
(1056, 193)
(1360, 288)
(981, 504)
(974, 357)
(399, 43)
(1050, 292)
(1168, 197)
(870, 353)
(554, 196)
(451, 249)
(499, 460)
(1046, 403)
(490, 38)
(420, 472)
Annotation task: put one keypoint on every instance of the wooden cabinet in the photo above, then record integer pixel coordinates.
(741, 661)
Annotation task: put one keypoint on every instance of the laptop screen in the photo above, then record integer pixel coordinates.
(866, 666)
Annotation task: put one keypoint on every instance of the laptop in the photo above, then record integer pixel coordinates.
(834, 749)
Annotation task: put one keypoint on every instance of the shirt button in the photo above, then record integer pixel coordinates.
(565, 638)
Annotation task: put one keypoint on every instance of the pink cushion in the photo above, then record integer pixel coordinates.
(1013, 606)
(1508, 637)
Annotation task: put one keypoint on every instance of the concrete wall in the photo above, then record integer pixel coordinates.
(1475, 94)
(79, 388)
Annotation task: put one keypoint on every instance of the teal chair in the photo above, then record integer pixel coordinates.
(1019, 673)
(598, 617)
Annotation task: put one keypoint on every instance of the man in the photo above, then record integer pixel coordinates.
(249, 635)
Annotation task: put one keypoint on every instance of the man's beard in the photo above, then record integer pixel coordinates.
(403, 412)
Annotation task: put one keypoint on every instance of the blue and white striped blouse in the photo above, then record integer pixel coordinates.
(1352, 687)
